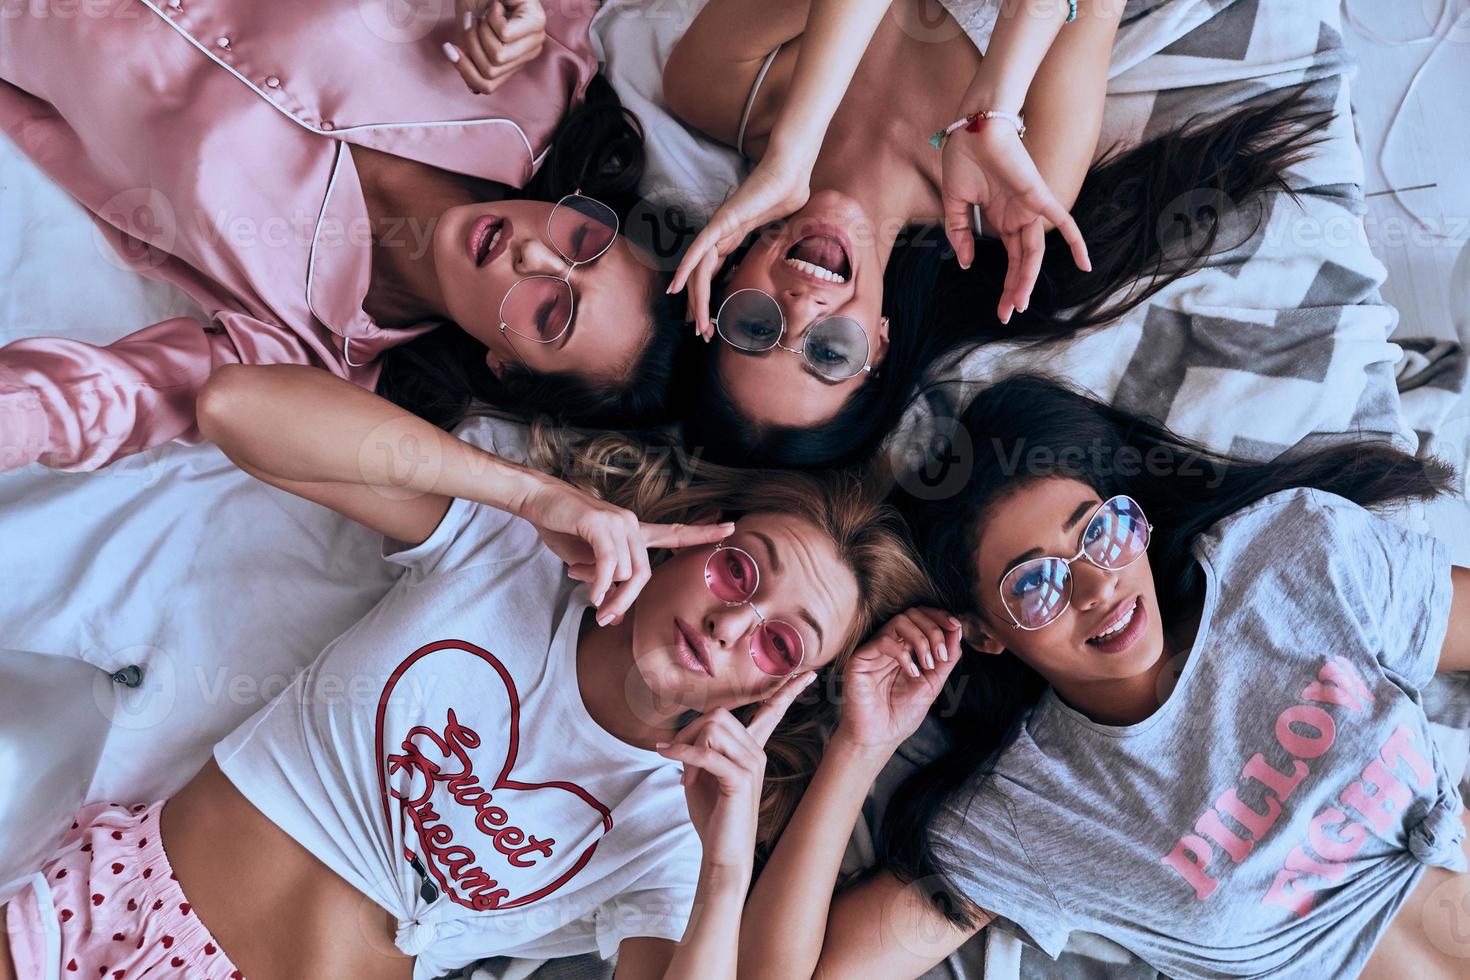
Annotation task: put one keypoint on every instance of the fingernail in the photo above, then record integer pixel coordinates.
(913, 671)
(662, 745)
(603, 620)
(811, 676)
(954, 622)
(467, 21)
(727, 525)
(451, 53)
(943, 653)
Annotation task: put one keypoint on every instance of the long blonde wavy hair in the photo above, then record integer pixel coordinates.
(656, 480)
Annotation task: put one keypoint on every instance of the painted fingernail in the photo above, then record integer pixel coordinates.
(811, 676)
(467, 21)
(954, 622)
(603, 620)
(662, 745)
(943, 653)
(451, 53)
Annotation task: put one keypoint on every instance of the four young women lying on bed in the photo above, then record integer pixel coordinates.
(486, 763)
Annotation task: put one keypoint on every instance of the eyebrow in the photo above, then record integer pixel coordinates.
(1077, 515)
(776, 566)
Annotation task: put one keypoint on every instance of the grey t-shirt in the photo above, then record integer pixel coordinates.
(1274, 813)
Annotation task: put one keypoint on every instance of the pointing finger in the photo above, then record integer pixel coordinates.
(769, 715)
(685, 535)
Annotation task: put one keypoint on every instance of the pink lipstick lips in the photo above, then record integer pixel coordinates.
(689, 649)
(488, 237)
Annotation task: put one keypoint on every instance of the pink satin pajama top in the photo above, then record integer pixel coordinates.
(211, 141)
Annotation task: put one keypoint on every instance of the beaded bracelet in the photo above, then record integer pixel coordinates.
(1071, 11)
(971, 124)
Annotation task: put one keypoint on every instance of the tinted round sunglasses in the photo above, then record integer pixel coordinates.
(835, 347)
(1036, 592)
(732, 575)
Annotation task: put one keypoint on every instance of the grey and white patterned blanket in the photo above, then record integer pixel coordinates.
(1283, 336)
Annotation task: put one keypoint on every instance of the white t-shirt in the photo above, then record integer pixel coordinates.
(438, 757)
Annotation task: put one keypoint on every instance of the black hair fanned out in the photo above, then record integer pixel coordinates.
(1185, 489)
(1150, 214)
(598, 149)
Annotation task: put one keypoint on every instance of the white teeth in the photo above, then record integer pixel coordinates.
(494, 240)
(815, 270)
(1119, 625)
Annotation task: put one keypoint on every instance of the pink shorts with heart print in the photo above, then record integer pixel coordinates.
(106, 906)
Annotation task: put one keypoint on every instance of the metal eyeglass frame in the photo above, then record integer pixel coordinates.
(1081, 553)
(566, 279)
(867, 348)
(801, 659)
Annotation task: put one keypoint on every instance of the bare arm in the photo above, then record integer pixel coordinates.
(1057, 74)
(1024, 189)
(325, 439)
(729, 40)
(1455, 654)
(724, 766)
(793, 926)
(708, 949)
(1065, 101)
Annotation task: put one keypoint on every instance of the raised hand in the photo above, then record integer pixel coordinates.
(774, 190)
(495, 42)
(992, 169)
(891, 680)
(604, 545)
(724, 768)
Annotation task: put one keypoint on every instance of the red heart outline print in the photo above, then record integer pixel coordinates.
(452, 864)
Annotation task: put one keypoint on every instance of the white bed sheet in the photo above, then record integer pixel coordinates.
(220, 587)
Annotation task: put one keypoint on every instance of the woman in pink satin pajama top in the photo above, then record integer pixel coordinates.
(212, 142)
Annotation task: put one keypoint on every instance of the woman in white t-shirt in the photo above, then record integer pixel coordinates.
(1191, 717)
(489, 763)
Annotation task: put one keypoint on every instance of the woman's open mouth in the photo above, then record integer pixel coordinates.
(1124, 629)
(823, 257)
(488, 237)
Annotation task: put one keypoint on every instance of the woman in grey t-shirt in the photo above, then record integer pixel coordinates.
(1190, 716)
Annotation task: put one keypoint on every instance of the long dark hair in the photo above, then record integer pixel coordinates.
(597, 148)
(1150, 215)
(1028, 428)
